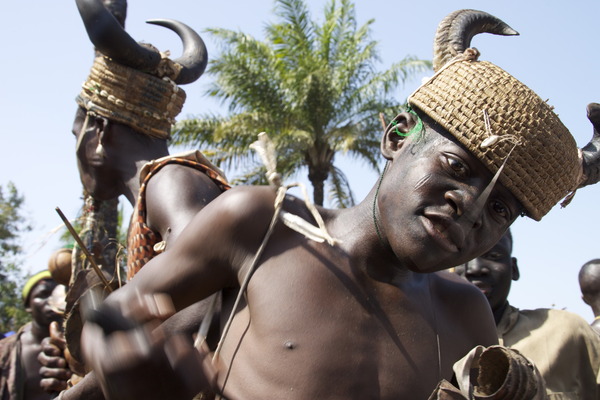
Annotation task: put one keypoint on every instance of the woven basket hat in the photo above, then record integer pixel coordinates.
(140, 100)
(543, 167)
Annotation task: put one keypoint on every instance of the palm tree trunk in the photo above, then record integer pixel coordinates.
(318, 195)
(317, 175)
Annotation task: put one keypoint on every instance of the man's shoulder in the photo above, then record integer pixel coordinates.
(450, 284)
(550, 319)
(240, 209)
(464, 307)
(7, 345)
(553, 314)
(247, 198)
(461, 294)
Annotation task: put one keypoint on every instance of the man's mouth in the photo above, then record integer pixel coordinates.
(484, 287)
(444, 231)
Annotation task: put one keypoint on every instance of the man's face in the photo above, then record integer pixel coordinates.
(493, 272)
(430, 206)
(41, 311)
(95, 170)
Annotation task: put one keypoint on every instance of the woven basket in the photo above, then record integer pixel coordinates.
(144, 102)
(543, 167)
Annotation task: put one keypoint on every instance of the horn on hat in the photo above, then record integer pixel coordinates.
(194, 58)
(110, 39)
(453, 37)
(590, 153)
(456, 30)
(118, 8)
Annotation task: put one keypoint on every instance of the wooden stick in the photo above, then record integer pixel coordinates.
(382, 119)
(87, 254)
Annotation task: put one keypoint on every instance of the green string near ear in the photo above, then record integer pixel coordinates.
(417, 129)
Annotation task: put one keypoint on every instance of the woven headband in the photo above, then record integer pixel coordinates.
(31, 282)
(144, 102)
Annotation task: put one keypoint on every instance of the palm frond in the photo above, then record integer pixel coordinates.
(340, 193)
(313, 87)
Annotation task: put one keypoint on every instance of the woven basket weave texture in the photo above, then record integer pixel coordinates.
(544, 165)
(144, 102)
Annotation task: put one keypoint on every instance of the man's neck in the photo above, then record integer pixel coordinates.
(499, 312)
(38, 331)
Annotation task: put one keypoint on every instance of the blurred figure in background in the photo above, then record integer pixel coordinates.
(21, 370)
(562, 345)
(589, 282)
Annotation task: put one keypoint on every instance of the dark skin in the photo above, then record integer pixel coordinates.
(31, 343)
(589, 282)
(493, 273)
(323, 321)
(173, 197)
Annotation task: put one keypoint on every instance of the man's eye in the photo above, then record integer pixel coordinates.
(457, 167)
(500, 209)
(493, 255)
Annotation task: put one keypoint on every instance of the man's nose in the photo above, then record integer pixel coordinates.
(467, 205)
(476, 267)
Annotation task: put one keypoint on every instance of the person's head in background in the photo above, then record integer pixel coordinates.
(589, 283)
(493, 273)
(36, 294)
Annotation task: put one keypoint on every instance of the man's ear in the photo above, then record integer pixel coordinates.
(515, 269)
(396, 133)
(585, 299)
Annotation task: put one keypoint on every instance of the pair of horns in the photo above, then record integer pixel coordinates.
(453, 37)
(110, 39)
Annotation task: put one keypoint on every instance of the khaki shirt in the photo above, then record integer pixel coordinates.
(563, 346)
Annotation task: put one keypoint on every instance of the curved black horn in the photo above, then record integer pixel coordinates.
(194, 57)
(590, 153)
(118, 8)
(110, 38)
(455, 32)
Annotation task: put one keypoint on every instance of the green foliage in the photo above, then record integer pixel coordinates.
(12, 225)
(312, 87)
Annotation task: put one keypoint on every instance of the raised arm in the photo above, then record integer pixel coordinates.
(209, 253)
(212, 253)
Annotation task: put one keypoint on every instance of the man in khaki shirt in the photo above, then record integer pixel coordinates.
(589, 282)
(562, 345)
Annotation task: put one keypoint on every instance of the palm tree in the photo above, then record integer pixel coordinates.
(313, 88)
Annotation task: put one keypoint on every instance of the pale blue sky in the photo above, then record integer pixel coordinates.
(47, 55)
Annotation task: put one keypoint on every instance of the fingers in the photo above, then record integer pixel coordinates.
(120, 349)
(53, 385)
(49, 349)
(192, 366)
(145, 362)
(123, 362)
(55, 371)
(54, 379)
(57, 338)
(147, 307)
(50, 360)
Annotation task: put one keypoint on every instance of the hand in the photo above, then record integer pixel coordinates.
(55, 370)
(144, 361)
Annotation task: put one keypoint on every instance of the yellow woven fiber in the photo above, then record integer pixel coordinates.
(543, 167)
(142, 101)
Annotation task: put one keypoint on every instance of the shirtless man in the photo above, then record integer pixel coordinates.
(589, 283)
(21, 375)
(368, 316)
